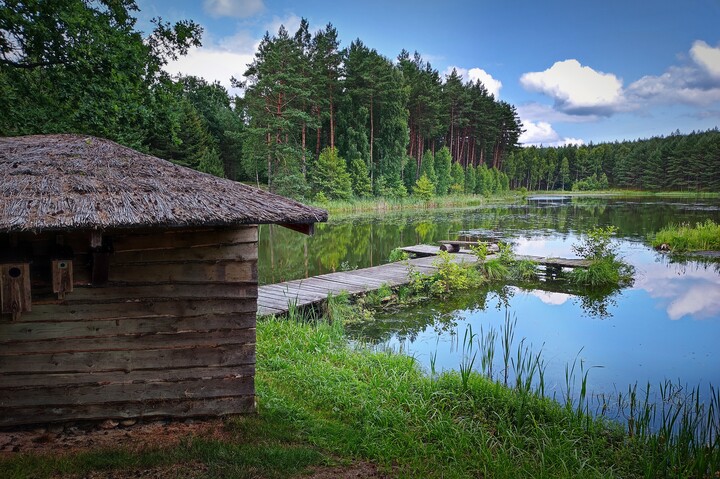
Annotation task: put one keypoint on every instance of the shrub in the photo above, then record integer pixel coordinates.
(605, 268)
(424, 188)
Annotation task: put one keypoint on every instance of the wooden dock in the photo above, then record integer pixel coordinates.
(276, 298)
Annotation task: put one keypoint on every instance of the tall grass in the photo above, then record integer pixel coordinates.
(674, 432)
(686, 237)
(391, 204)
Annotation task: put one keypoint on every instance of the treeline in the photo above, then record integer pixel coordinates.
(81, 66)
(676, 162)
(377, 118)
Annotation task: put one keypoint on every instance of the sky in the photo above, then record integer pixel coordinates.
(578, 72)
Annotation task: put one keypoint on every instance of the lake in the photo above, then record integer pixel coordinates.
(666, 326)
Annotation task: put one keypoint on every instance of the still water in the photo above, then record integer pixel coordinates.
(666, 326)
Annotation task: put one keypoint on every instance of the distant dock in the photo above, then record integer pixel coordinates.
(277, 298)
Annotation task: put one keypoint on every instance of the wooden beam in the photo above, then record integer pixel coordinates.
(304, 228)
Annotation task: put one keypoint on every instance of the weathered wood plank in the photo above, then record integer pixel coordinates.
(151, 409)
(211, 272)
(97, 361)
(238, 252)
(130, 342)
(148, 308)
(184, 239)
(52, 396)
(130, 293)
(84, 379)
(44, 330)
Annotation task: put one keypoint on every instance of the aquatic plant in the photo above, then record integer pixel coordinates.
(605, 268)
(449, 276)
(686, 237)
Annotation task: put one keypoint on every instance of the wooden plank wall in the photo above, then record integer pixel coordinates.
(172, 333)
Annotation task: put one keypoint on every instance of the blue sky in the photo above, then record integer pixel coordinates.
(578, 71)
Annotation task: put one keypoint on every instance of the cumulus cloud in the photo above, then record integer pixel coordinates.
(218, 60)
(493, 85)
(696, 83)
(212, 64)
(542, 133)
(221, 59)
(577, 89)
(233, 8)
(707, 57)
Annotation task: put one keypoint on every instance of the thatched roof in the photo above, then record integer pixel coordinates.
(55, 182)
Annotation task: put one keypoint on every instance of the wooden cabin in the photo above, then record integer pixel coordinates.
(128, 284)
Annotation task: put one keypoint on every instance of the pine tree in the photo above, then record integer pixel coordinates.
(470, 179)
(424, 188)
(443, 163)
(330, 176)
(457, 179)
(360, 179)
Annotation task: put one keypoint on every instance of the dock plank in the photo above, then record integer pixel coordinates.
(274, 298)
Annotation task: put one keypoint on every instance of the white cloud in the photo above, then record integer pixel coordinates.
(685, 290)
(493, 85)
(290, 22)
(233, 8)
(212, 64)
(707, 57)
(696, 83)
(549, 297)
(577, 89)
(227, 57)
(218, 60)
(542, 133)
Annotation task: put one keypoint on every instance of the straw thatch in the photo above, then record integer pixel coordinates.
(53, 182)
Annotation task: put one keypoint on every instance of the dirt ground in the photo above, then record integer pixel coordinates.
(72, 439)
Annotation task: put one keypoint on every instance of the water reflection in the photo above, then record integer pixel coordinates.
(665, 326)
(689, 290)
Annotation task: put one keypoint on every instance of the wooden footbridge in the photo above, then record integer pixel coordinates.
(277, 298)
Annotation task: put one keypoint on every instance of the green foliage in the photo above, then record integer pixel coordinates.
(457, 179)
(390, 187)
(329, 176)
(320, 199)
(605, 268)
(597, 244)
(424, 188)
(450, 276)
(78, 66)
(360, 179)
(398, 255)
(591, 183)
(674, 162)
(443, 164)
(470, 180)
(685, 237)
(427, 167)
(503, 266)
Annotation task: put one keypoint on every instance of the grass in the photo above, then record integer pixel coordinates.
(323, 400)
(685, 237)
(391, 204)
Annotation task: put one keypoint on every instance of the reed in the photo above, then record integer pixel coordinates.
(685, 237)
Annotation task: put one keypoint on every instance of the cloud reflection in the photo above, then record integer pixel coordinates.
(683, 289)
(548, 297)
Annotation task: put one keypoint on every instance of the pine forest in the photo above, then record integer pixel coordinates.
(316, 120)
